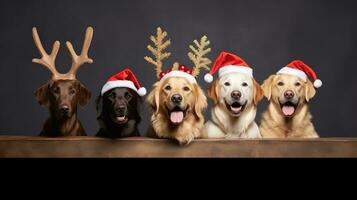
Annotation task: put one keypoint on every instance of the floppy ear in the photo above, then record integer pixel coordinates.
(213, 91)
(258, 93)
(200, 101)
(135, 104)
(267, 85)
(84, 95)
(154, 97)
(99, 105)
(42, 94)
(138, 101)
(309, 90)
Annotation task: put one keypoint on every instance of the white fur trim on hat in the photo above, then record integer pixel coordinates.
(176, 73)
(294, 72)
(235, 69)
(122, 83)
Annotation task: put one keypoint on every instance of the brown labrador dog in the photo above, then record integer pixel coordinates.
(63, 92)
(62, 97)
(117, 113)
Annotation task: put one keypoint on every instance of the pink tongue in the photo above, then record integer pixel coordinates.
(121, 118)
(288, 110)
(176, 117)
(236, 109)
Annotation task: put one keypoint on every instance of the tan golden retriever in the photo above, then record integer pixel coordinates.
(177, 107)
(288, 113)
(235, 97)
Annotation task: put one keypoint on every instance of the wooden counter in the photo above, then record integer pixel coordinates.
(18, 146)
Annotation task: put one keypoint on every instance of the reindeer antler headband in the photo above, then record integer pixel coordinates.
(197, 56)
(48, 60)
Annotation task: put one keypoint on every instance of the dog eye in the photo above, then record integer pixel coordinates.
(186, 88)
(111, 95)
(227, 83)
(244, 84)
(168, 87)
(297, 84)
(72, 92)
(56, 90)
(280, 83)
(127, 95)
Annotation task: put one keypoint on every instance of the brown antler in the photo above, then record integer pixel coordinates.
(197, 55)
(160, 44)
(46, 60)
(49, 60)
(79, 60)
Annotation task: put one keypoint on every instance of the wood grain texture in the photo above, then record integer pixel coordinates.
(18, 146)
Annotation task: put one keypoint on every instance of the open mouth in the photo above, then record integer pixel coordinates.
(177, 115)
(288, 108)
(236, 108)
(121, 119)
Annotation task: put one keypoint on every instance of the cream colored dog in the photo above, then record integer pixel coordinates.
(235, 97)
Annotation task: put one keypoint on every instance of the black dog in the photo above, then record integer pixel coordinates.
(117, 113)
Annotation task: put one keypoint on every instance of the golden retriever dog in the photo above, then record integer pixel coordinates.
(235, 96)
(287, 115)
(177, 105)
(177, 101)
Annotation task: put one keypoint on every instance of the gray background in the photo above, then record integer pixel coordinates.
(267, 34)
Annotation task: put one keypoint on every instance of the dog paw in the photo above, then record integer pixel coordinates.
(185, 140)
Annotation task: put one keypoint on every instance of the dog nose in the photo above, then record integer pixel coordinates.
(289, 94)
(236, 94)
(64, 109)
(120, 108)
(176, 98)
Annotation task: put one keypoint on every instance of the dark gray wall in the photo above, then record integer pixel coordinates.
(267, 34)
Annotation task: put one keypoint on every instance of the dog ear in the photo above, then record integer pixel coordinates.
(309, 90)
(99, 105)
(258, 92)
(84, 95)
(154, 97)
(136, 103)
(200, 102)
(267, 86)
(213, 91)
(42, 94)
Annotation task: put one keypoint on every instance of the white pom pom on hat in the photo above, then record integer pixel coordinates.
(317, 83)
(208, 78)
(142, 91)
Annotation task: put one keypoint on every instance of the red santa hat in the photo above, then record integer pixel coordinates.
(227, 63)
(182, 71)
(300, 69)
(125, 78)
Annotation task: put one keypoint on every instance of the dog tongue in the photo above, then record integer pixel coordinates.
(236, 109)
(288, 110)
(176, 117)
(121, 118)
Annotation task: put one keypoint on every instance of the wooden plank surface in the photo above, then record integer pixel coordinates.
(18, 146)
